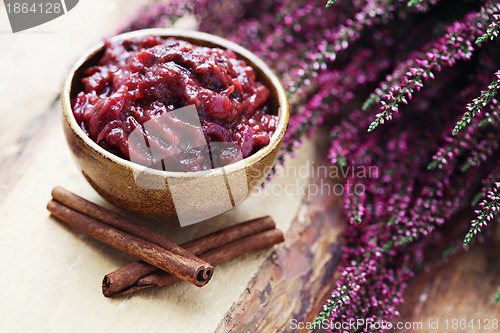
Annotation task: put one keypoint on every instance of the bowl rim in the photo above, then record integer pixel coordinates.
(276, 138)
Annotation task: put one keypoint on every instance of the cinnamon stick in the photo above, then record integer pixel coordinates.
(198, 272)
(229, 234)
(126, 277)
(117, 221)
(214, 257)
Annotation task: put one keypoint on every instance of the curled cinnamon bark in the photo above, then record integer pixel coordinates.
(162, 262)
(108, 217)
(123, 279)
(214, 257)
(127, 236)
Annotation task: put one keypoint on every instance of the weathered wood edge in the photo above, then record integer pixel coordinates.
(296, 279)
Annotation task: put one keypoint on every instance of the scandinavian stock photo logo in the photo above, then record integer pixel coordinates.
(26, 14)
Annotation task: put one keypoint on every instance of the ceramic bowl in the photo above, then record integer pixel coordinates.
(188, 197)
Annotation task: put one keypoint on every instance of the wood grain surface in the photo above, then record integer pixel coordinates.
(456, 296)
(294, 282)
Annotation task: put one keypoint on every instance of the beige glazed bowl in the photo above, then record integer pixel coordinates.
(188, 197)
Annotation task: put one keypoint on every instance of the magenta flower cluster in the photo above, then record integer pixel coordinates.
(455, 45)
(343, 64)
(490, 209)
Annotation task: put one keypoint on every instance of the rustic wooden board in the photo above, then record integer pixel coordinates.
(294, 282)
(443, 297)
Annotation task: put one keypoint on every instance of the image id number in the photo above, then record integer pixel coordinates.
(25, 8)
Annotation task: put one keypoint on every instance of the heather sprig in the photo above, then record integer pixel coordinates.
(422, 5)
(348, 287)
(478, 141)
(490, 208)
(330, 2)
(414, 2)
(338, 39)
(493, 30)
(478, 103)
(497, 297)
(482, 151)
(354, 298)
(337, 88)
(488, 183)
(464, 142)
(455, 45)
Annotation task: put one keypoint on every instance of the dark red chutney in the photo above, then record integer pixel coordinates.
(141, 79)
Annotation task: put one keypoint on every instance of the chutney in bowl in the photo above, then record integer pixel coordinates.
(243, 138)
